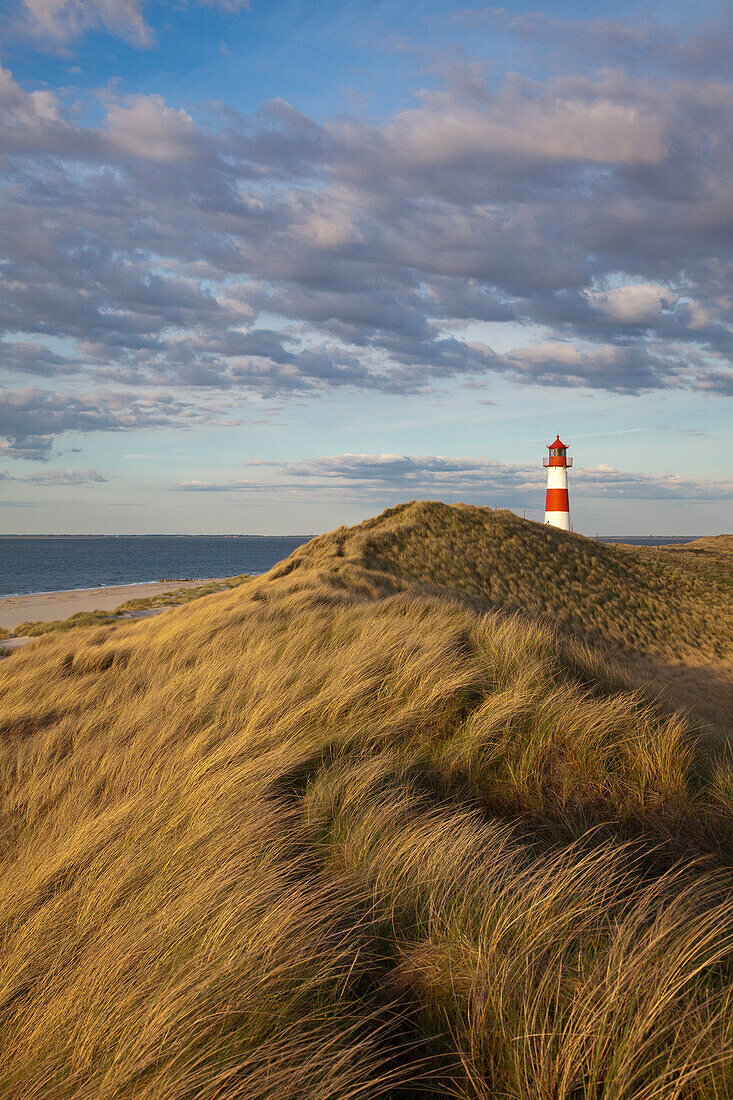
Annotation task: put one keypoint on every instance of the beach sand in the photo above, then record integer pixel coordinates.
(60, 605)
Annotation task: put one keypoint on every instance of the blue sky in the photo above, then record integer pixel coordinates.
(273, 267)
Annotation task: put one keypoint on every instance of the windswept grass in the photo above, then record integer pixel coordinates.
(665, 614)
(172, 598)
(628, 598)
(326, 835)
(52, 626)
(178, 596)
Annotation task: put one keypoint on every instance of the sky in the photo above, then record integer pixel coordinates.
(271, 266)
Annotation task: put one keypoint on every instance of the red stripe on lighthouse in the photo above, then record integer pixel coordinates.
(557, 501)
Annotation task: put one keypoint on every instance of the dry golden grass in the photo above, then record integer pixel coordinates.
(711, 544)
(665, 614)
(329, 836)
(172, 598)
(630, 598)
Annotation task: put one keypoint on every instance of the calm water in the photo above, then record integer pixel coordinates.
(48, 564)
(650, 540)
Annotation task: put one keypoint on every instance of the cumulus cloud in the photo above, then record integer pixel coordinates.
(276, 255)
(635, 304)
(476, 480)
(35, 114)
(143, 126)
(523, 128)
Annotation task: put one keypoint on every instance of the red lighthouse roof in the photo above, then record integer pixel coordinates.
(558, 455)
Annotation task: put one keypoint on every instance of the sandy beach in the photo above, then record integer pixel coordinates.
(60, 605)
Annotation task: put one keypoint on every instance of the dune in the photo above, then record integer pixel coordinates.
(716, 544)
(392, 820)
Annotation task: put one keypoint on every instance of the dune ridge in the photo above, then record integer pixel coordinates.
(371, 826)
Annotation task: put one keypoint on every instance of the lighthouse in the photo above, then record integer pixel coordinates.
(557, 506)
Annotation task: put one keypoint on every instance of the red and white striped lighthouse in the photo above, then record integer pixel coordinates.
(557, 505)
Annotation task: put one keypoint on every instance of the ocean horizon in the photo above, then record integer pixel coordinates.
(34, 564)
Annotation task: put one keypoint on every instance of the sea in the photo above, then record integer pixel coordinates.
(48, 563)
(53, 563)
(650, 540)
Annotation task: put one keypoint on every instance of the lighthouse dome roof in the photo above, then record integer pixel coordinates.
(558, 442)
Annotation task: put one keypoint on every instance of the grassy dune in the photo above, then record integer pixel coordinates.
(666, 616)
(711, 544)
(627, 598)
(343, 832)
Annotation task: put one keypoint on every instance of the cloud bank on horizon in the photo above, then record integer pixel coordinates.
(481, 479)
(564, 226)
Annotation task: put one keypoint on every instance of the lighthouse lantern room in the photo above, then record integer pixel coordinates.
(557, 505)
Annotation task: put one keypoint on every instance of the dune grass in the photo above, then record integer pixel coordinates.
(720, 545)
(665, 614)
(628, 598)
(177, 596)
(331, 835)
(172, 598)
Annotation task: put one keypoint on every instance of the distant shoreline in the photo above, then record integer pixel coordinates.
(647, 540)
(62, 604)
(167, 582)
(160, 535)
(644, 539)
(46, 564)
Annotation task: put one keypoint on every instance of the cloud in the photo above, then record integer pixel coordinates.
(33, 357)
(228, 5)
(476, 480)
(57, 477)
(31, 418)
(528, 129)
(142, 126)
(273, 255)
(700, 49)
(61, 22)
(622, 368)
(635, 304)
(29, 119)
(35, 447)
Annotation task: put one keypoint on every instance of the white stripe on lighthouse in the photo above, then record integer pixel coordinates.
(557, 478)
(558, 519)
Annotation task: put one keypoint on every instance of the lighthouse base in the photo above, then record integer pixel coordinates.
(558, 519)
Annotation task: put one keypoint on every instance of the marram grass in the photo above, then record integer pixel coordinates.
(171, 598)
(330, 835)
